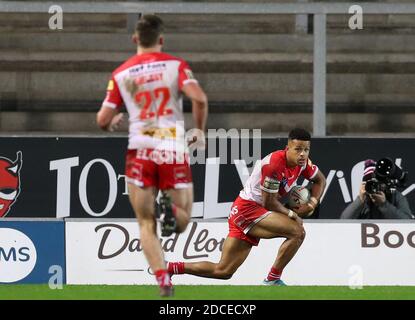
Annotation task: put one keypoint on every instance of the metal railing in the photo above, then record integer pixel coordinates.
(318, 10)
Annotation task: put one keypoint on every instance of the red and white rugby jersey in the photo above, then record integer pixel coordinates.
(271, 174)
(149, 85)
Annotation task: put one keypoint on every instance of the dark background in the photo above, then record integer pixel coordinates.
(39, 184)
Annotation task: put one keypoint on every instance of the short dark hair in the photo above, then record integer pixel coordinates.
(149, 28)
(299, 134)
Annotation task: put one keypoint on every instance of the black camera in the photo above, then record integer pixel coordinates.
(374, 186)
(387, 176)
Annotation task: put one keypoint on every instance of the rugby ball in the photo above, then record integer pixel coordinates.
(298, 196)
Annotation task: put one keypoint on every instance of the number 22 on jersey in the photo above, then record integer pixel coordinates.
(159, 97)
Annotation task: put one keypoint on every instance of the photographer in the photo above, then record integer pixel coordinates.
(378, 197)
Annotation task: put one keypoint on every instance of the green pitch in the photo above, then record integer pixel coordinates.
(92, 292)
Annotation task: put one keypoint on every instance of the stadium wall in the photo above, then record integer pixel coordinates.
(83, 177)
(108, 251)
(334, 253)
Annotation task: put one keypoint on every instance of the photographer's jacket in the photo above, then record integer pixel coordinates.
(396, 207)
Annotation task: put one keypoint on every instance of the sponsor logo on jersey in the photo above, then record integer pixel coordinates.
(110, 86)
(157, 65)
(149, 78)
(161, 133)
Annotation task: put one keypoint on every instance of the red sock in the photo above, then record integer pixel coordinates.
(274, 274)
(163, 278)
(175, 267)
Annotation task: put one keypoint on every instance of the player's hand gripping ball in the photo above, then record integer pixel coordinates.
(298, 196)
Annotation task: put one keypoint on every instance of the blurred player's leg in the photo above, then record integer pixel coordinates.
(175, 181)
(182, 201)
(279, 225)
(234, 253)
(142, 201)
(168, 213)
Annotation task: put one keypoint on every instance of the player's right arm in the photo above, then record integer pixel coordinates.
(270, 185)
(270, 201)
(108, 117)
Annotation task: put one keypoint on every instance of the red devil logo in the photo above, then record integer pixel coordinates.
(9, 182)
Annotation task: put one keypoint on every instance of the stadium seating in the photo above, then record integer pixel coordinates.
(257, 70)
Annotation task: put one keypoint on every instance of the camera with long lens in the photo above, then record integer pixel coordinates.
(387, 176)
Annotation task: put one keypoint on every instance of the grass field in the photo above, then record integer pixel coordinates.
(142, 292)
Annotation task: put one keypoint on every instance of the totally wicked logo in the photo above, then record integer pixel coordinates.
(9, 182)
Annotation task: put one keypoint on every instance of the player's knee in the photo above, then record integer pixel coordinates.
(183, 221)
(303, 233)
(181, 227)
(299, 233)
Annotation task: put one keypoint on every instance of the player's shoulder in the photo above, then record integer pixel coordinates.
(163, 56)
(131, 61)
(167, 56)
(276, 159)
(147, 58)
(311, 163)
(182, 63)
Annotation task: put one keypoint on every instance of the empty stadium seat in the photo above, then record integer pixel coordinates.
(256, 69)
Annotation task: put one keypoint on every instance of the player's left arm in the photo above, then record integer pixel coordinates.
(191, 89)
(317, 189)
(199, 104)
(318, 181)
(109, 119)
